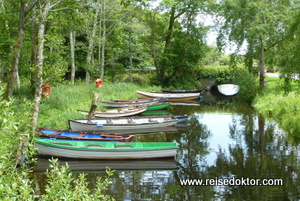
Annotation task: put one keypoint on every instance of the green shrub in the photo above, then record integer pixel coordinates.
(61, 185)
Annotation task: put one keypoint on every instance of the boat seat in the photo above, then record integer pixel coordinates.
(94, 146)
(123, 146)
(130, 120)
(109, 121)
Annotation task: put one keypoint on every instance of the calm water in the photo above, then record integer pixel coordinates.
(218, 142)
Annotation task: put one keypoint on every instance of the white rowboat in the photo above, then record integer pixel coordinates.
(117, 124)
(169, 96)
(118, 112)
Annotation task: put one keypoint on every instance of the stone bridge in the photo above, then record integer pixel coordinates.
(208, 83)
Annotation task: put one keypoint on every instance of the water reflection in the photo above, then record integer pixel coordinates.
(219, 142)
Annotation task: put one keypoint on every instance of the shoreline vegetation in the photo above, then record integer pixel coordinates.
(280, 102)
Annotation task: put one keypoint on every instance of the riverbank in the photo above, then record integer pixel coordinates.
(283, 107)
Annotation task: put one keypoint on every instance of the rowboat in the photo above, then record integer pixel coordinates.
(182, 91)
(170, 96)
(137, 102)
(228, 89)
(118, 112)
(105, 150)
(150, 106)
(77, 135)
(116, 124)
(43, 164)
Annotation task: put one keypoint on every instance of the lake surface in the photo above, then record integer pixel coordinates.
(231, 147)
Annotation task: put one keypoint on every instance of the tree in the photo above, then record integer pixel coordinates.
(288, 52)
(44, 9)
(25, 8)
(261, 24)
(182, 19)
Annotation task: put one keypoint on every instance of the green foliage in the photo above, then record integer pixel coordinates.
(213, 72)
(248, 85)
(14, 126)
(283, 108)
(140, 78)
(262, 24)
(63, 186)
(184, 81)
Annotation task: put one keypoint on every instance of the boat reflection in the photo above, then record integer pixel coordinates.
(43, 164)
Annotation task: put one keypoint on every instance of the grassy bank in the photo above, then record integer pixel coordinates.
(65, 100)
(282, 107)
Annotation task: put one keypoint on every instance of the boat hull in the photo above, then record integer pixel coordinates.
(50, 148)
(169, 96)
(150, 107)
(120, 112)
(182, 91)
(77, 135)
(120, 124)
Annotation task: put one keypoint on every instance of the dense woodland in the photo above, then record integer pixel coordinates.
(47, 41)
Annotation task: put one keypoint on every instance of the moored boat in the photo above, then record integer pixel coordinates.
(228, 89)
(170, 96)
(77, 135)
(150, 106)
(131, 103)
(118, 112)
(105, 150)
(117, 124)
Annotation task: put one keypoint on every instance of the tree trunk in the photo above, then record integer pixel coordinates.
(102, 40)
(163, 63)
(262, 66)
(33, 51)
(13, 74)
(40, 64)
(91, 46)
(130, 48)
(72, 52)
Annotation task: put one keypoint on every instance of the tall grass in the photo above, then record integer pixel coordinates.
(282, 107)
(65, 100)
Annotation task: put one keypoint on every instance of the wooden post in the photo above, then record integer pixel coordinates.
(93, 106)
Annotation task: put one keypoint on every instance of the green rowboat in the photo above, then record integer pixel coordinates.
(156, 106)
(105, 150)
